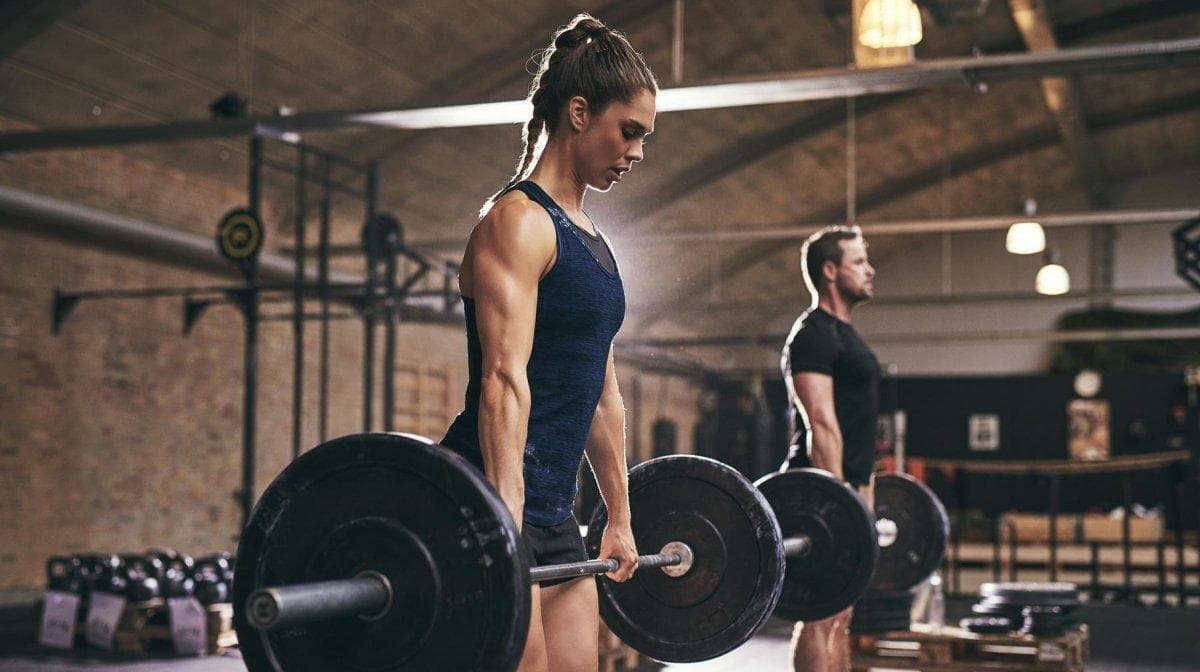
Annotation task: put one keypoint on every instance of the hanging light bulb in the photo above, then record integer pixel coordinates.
(1052, 279)
(1026, 237)
(885, 24)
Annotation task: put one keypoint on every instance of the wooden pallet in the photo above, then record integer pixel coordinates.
(138, 636)
(955, 650)
(615, 655)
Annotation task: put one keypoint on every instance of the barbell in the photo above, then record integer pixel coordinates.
(388, 552)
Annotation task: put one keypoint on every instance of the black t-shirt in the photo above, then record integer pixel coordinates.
(821, 343)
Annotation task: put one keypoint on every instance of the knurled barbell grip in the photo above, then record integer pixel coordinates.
(572, 569)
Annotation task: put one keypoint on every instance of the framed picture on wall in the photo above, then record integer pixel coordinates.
(983, 432)
(1088, 436)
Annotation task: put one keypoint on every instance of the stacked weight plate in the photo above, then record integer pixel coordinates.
(1040, 609)
(882, 611)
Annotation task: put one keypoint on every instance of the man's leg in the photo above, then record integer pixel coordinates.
(571, 622)
(534, 657)
(822, 646)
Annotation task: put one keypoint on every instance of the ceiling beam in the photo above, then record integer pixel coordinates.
(966, 298)
(1062, 100)
(787, 88)
(496, 69)
(799, 231)
(746, 151)
(775, 340)
(912, 226)
(975, 158)
(23, 20)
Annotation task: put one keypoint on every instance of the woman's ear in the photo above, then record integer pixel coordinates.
(578, 112)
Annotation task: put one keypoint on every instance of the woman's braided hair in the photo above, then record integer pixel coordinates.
(586, 58)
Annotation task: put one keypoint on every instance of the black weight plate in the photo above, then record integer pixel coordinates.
(886, 595)
(382, 237)
(836, 571)
(736, 575)
(1018, 602)
(872, 604)
(987, 625)
(871, 600)
(1021, 590)
(418, 514)
(239, 235)
(1013, 613)
(922, 530)
(896, 608)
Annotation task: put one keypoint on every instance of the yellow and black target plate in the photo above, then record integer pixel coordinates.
(239, 235)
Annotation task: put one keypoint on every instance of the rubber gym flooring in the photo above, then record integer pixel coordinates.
(1124, 638)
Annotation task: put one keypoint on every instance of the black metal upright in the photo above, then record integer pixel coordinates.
(298, 305)
(368, 314)
(1055, 496)
(389, 312)
(250, 349)
(1126, 546)
(323, 293)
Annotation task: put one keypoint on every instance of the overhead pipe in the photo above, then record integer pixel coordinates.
(824, 84)
(99, 229)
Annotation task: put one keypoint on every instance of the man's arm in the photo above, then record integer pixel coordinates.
(815, 391)
(606, 454)
(510, 250)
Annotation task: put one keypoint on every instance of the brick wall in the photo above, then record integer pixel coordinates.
(121, 433)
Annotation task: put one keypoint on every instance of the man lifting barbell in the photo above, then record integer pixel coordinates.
(832, 379)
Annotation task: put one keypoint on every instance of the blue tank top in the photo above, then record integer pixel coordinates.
(580, 307)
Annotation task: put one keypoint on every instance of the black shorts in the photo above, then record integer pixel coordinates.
(553, 545)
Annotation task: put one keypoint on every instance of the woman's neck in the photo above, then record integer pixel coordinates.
(555, 174)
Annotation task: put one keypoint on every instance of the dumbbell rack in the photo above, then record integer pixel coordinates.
(136, 634)
(951, 649)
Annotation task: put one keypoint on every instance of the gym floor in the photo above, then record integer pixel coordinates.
(1123, 639)
(231, 234)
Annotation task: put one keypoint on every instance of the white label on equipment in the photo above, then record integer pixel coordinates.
(59, 611)
(1051, 652)
(189, 625)
(103, 616)
(983, 431)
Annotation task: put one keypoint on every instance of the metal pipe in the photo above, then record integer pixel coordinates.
(1014, 336)
(747, 232)
(905, 227)
(774, 88)
(769, 304)
(99, 229)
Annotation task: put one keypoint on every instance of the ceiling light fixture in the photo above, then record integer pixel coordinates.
(1026, 237)
(886, 24)
(1052, 279)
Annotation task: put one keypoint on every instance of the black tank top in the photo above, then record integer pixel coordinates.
(580, 307)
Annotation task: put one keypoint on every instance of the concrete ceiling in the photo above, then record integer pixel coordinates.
(934, 153)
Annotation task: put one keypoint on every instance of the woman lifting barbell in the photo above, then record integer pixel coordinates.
(543, 299)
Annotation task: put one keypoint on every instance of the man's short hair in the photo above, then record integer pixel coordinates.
(822, 246)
